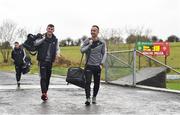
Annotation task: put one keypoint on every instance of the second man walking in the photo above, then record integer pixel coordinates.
(47, 53)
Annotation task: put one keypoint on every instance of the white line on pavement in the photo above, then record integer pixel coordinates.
(8, 87)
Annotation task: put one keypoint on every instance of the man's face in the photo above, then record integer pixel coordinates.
(94, 32)
(16, 45)
(50, 30)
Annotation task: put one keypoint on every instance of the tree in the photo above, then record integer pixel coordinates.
(173, 38)
(8, 34)
(5, 51)
(116, 40)
(154, 38)
(8, 31)
(63, 43)
(137, 34)
(131, 39)
(104, 33)
(22, 33)
(135, 38)
(112, 36)
(69, 41)
(72, 43)
(134, 31)
(160, 40)
(77, 42)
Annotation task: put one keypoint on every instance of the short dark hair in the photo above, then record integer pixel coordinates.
(50, 25)
(96, 26)
(16, 42)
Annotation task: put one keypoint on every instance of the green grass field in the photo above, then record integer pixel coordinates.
(73, 54)
(173, 84)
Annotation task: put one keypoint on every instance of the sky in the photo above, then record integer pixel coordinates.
(74, 18)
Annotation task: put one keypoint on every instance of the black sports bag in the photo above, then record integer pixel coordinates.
(76, 75)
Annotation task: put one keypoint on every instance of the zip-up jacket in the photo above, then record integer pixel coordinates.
(96, 53)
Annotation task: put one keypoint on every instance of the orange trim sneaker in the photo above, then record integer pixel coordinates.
(44, 96)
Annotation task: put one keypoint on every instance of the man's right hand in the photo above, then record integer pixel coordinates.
(39, 35)
(90, 42)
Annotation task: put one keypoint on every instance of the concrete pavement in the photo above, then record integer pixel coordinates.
(70, 99)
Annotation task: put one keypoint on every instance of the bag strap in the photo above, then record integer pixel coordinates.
(81, 60)
(86, 60)
(33, 53)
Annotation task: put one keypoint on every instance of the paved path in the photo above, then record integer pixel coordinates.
(69, 99)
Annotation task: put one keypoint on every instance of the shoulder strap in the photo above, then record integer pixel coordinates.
(33, 53)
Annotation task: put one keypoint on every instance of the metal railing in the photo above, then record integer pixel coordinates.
(121, 65)
(118, 65)
(149, 57)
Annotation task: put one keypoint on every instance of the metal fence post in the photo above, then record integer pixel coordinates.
(134, 67)
(106, 69)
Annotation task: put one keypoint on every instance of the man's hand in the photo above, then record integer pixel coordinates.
(90, 42)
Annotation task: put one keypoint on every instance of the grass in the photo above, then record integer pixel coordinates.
(71, 53)
(34, 69)
(59, 70)
(7, 68)
(173, 84)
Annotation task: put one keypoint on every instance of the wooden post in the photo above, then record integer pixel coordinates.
(166, 60)
(139, 62)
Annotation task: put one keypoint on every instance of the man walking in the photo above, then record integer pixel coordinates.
(18, 55)
(95, 50)
(47, 52)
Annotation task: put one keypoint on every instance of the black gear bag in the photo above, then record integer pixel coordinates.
(76, 75)
(29, 43)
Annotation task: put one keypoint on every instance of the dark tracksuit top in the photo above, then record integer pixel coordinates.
(18, 55)
(47, 51)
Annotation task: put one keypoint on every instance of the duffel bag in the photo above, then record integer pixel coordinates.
(75, 76)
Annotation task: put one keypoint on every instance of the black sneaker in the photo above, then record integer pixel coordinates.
(18, 84)
(88, 101)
